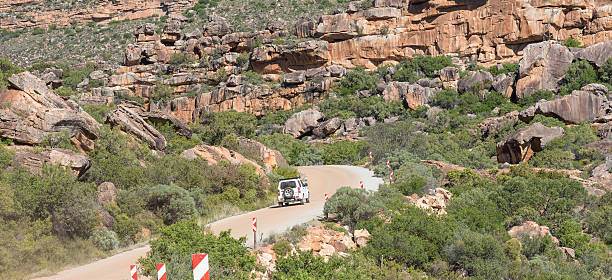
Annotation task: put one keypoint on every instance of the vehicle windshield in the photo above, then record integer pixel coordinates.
(287, 184)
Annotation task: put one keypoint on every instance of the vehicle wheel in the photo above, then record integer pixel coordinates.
(308, 200)
(302, 202)
(280, 204)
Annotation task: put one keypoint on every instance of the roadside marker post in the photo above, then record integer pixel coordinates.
(371, 156)
(361, 184)
(326, 197)
(254, 226)
(200, 267)
(388, 164)
(133, 272)
(391, 177)
(161, 271)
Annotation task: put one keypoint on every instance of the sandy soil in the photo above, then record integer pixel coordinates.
(321, 180)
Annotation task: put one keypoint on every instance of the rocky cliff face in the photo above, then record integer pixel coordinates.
(38, 13)
(213, 73)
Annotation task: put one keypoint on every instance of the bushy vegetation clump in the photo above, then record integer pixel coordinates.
(7, 69)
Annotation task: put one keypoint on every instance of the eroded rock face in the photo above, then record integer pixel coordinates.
(597, 54)
(582, 105)
(76, 162)
(31, 113)
(413, 95)
(214, 154)
(542, 67)
(302, 123)
(270, 157)
(524, 143)
(133, 124)
(327, 128)
(530, 228)
(476, 81)
(107, 193)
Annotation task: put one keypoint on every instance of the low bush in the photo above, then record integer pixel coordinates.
(105, 240)
(420, 66)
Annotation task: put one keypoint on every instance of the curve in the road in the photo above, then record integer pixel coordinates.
(321, 180)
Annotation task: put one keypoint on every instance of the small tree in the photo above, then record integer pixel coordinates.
(351, 206)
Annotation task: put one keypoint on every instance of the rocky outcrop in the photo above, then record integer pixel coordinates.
(34, 162)
(435, 201)
(531, 229)
(133, 124)
(583, 105)
(476, 81)
(324, 242)
(107, 193)
(302, 123)
(327, 127)
(179, 126)
(542, 67)
(271, 158)
(491, 125)
(39, 13)
(524, 143)
(214, 154)
(413, 95)
(597, 54)
(30, 113)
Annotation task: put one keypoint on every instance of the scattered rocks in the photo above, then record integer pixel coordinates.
(302, 123)
(362, 237)
(524, 143)
(436, 200)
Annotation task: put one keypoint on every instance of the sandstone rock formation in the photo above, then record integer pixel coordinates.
(493, 124)
(413, 95)
(39, 13)
(582, 105)
(302, 123)
(107, 193)
(326, 242)
(524, 143)
(214, 154)
(270, 158)
(436, 200)
(542, 67)
(476, 81)
(597, 54)
(31, 113)
(530, 228)
(133, 124)
(34, 161)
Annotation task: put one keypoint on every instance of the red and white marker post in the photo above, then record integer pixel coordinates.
(161, 271)
(388, 164)
(133, 272)
(200, 267)
(254, 226)
(371, 156)
(361, 184)
(391, 177)
(326, 197)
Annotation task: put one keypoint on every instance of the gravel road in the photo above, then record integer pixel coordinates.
(321, 180)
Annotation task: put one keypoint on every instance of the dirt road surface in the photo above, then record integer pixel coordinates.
(321, 180)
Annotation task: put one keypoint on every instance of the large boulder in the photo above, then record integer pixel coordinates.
(30, 113)
(107, 193)
(582, 105)
(302, 123)
(327, 127)
(597, 54)
(475, 81)
(217, 26)
(524, 143)
(504, 84)
(133, 124)
(413, 95)
(214, 154)
(179, 126)
(77, 163)
(531, 229)
(271, 158)
(542, 67)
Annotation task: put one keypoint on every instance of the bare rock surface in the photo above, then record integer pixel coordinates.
(133, 124)
(271, 158)
(524, 143)
(542, 67)
(26, 157)
(32, 112)
(107, 193)
(597, 54)
(302, 123)
(214, 154)
(530, 228)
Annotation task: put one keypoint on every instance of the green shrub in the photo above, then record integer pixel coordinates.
(7, 69)
(73, 76)
(360, 107)
(407, 71)
(536, 96)
(228, 257)
(218, 125)
(171, 203)
(605, 72)
(105, 240)
(252, 77)
(98, 112)
(351, 205)
(572, 43)
(579, 74)
(293, 150)
(506, 69)
(479, 254)
(553, 158)
(282, 248)
(126, 228)
(180, 58)
(415, 184)
(356, 80)
(343, 152)
(161, 92)
(599, 218)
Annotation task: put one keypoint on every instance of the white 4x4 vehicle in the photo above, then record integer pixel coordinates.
(293, 190)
